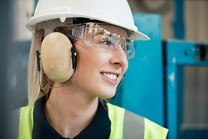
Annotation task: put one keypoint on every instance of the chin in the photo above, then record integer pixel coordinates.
(108, 95)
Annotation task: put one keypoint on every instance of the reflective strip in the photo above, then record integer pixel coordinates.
(124, 124)
(133, 126)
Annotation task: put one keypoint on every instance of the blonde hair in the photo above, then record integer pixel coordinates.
(38, 83)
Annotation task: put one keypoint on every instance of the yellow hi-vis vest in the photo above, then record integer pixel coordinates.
(124, 124)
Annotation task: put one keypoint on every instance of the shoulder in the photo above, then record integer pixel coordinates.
(153, 130)
(27, 110)
(126, 115)
(137, 126)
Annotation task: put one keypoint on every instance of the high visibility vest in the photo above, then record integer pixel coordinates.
(124, 124)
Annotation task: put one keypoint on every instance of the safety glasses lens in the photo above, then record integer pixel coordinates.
(93, 34)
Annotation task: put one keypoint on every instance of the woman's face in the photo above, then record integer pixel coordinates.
(99, 70)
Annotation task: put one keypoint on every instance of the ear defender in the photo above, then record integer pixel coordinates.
(58, 57)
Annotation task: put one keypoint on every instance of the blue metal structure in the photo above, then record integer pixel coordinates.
(178, 25)
(142, 88)
(180, 54)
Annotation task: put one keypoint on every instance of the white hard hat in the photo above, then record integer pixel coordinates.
(116, 12)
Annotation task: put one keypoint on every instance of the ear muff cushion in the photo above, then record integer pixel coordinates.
(56, 57)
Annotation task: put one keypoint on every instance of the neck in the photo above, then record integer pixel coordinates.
(69, 112)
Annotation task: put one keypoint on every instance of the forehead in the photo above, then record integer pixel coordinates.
(115, 29)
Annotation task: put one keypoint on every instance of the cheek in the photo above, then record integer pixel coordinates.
(88, 61)
(90, 56)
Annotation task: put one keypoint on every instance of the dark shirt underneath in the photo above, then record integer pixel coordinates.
(99, 128)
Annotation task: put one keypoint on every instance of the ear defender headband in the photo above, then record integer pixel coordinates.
(58, 57)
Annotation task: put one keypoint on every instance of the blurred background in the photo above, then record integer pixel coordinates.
(167, 81)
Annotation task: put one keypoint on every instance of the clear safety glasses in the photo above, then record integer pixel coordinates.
(93, 34)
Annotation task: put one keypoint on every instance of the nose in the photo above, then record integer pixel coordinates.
(119, 57)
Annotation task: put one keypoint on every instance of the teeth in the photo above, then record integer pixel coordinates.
(110, 76)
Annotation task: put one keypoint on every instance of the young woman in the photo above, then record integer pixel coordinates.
(79, 54)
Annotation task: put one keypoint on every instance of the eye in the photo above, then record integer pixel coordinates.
(104, 39)
(107, 42)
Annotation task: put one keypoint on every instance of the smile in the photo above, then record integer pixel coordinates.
(110, 76)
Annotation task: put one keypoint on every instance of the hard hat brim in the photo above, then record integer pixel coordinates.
(134, 34)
